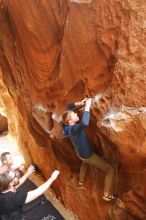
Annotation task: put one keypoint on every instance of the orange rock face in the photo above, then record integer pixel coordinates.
(60, 51)
(3, 124)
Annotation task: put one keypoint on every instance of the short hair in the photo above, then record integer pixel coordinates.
(66, 117)
(3, 156)
(5, 180)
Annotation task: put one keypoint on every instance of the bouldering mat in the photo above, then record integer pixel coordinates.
(40, 208)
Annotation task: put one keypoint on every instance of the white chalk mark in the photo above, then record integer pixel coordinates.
(40, 108)
(56, 118)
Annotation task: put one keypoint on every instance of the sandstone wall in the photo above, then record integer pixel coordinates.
(57, 51)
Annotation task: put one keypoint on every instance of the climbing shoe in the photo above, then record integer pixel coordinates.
(80, 184)
(109, 197)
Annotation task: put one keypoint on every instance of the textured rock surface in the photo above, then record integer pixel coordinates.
(3, 124)
(55, 52)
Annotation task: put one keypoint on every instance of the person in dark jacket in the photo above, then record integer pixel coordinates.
(75, 131)
(12, 201)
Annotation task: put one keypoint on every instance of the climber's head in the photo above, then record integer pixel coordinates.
(70, 118)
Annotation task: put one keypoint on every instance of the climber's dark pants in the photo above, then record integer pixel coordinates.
(101, 164)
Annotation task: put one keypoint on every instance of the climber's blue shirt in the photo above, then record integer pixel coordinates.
(77, 135)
